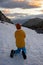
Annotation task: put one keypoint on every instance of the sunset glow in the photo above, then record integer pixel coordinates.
(11, 17)
(31, 2)
(6, 11)
(18, 0)
(42, 4)
(21, 12)
(36, 2)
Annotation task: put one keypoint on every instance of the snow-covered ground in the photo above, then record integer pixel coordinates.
(34, 46)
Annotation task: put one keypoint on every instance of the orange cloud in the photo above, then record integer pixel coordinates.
(42, 11)
(18, 0)
(6, 11)
(11, 17)
(35, 3)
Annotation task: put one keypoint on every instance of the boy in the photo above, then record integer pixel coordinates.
(20, 42)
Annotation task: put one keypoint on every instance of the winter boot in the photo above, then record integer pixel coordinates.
(12, 53)
(24, 55)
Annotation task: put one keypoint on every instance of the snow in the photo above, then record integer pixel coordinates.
(34, 46)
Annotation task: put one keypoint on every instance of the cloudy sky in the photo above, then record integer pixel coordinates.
(21, 9)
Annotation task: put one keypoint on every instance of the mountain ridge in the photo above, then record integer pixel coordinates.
(3, 18)
(34, 23)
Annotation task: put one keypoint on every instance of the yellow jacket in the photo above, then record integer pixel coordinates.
(20, 36)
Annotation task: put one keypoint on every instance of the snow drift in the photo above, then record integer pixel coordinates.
(34, 46)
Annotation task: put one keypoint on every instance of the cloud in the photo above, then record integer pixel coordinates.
(15, 4)
(37, 3)
(2, 0)
(17, 16)
(18, 0)
(41, 11)
(6, 11)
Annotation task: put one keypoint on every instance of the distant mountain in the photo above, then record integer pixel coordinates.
(21, 21)
(4, 18)
(34, 23)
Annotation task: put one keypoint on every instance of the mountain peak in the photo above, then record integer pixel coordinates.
(34, 23)
(0, 12)
(4, 18)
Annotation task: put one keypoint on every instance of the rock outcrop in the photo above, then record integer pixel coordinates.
(34, 23)
(3, 18)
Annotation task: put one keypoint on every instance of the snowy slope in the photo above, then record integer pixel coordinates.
(34, 46)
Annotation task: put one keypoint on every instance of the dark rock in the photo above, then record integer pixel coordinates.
(4, 18)
(34, 23)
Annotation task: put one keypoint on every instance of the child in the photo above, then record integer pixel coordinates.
(20, 41)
